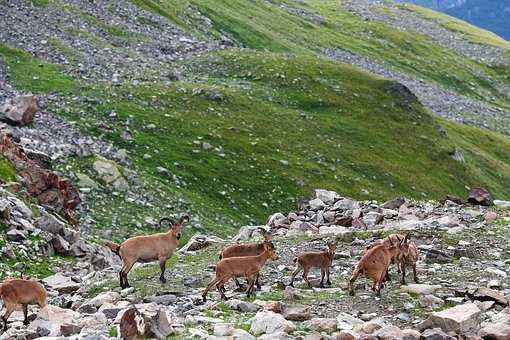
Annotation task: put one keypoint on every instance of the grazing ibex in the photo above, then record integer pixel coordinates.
(315, 259)
(373, 264)
(21, 292)
(148, 248)
(247, 266)
(247, 249)
(392, 243)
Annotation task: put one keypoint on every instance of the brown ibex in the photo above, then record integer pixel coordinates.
(247, 249)
(147, 248)
(374, 265)
(247, 266)
(315, 259)
(21, 292)
(408, 256)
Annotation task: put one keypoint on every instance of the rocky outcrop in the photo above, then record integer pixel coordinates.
(19, 110)
(52, 190)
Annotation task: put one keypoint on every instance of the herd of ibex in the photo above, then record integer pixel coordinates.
(239, 260)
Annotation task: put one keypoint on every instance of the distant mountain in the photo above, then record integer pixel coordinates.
(492, 15)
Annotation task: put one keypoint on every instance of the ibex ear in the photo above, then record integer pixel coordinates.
(405, 240)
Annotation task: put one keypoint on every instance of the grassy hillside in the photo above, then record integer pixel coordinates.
(274, 26)
(248, 133)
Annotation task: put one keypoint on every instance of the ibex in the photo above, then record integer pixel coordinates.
(322, 260)
(157, 247)
(247, 266)
(373, 264)
(247, 249)
(408, 256)
(21, 292)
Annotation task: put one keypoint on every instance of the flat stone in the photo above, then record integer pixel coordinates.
(420, 289)
(458, 319)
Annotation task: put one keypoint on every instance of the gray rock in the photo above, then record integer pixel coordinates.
(458, 319)
(316, 204)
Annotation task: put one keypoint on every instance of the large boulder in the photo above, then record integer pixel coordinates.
(480, 196)
(269, 323)
(458, 319)
(19, 110)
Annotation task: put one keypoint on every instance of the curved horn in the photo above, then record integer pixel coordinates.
(166, 219)
(262, 231)
(184, 218)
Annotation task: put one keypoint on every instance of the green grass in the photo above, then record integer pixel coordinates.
(474, 33)
(40, 3)
(337, 127)
(7, 170)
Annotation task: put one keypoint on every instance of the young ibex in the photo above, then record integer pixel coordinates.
(408, 256)
(314, 259)
(21, 292)
(247, 266)
(148, 248)
(374, 264)
(247, 249)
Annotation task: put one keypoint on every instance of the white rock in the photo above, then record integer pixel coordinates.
(419, 288)
(502, 204)
(223, 329)
(347, 322)
(269, 323)
(106, 297)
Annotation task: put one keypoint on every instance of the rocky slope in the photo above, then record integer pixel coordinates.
(463, 273)
(155, 108)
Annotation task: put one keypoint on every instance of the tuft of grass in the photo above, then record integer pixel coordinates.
(7, 170)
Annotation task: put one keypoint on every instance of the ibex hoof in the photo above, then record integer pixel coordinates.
(162, 279)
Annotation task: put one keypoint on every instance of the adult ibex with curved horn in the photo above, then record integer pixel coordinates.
(147, 248)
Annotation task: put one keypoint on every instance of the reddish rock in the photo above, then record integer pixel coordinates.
(490, 216)
(344, 221)
(46, 185)
(132, 325)
(480, 196)
(20, 110)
